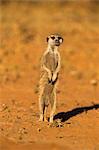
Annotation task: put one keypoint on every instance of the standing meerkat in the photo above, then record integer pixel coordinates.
(50, 66)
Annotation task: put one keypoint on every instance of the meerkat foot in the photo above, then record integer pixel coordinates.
(45, 120)
(41, 118)
(49, 78)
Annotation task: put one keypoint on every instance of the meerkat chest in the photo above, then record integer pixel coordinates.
(52, 61)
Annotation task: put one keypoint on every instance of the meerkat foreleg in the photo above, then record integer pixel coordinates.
(49, 72)
(41, 105)
(55, 74)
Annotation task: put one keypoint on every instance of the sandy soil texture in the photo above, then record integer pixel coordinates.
(24, 27)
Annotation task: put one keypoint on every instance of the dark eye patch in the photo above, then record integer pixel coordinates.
(52, 37)
(59, 37)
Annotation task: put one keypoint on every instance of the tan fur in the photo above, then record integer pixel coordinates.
(50, 65)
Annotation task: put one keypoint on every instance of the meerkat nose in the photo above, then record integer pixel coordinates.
(56, 40)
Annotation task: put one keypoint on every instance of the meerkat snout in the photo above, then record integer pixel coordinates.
(54, 40)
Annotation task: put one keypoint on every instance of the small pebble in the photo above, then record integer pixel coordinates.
(39, 129)
(59, 137)
(20, 137)
(94, 82)
(77, 74)
(4, 107)
(73, 72)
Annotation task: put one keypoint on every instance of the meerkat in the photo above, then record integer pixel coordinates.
(50, 66)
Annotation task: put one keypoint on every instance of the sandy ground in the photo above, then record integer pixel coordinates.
(23, 35)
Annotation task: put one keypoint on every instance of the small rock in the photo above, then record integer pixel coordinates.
(94, 82)
(25, 132)
(73, 72)
(77, 74)
(4, 107)
(56, 124)
(71, 51)
(58, 91)
(33, 103)
(20, 137)
(13, 101)
(18, 117)
(59, 137)
(2, 129)
(36, 91)
(39, 129)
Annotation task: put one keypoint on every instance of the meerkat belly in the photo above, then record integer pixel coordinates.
(51, 61)
(48, 90)
(45, 87)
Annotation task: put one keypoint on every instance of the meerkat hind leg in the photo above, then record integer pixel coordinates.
(41, 112)
(45, 114)
(53, 107)
(41, 107)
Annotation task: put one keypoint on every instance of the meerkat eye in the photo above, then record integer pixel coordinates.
(59, 37)
(52, 37)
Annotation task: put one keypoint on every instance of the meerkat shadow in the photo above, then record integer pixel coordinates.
(64, 116)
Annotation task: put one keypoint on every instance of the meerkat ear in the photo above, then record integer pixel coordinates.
(61, 40)
(47, 39)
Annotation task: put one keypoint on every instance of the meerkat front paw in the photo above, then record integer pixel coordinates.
(49, 76)
(54, 77)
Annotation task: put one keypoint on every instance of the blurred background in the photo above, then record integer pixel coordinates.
(24, 26)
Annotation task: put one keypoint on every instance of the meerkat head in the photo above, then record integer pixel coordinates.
(54, 40)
